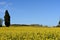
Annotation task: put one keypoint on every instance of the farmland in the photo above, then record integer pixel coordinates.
(29, 33)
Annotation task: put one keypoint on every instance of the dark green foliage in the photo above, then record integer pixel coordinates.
(58, 24)
(1, 22)
(19, 25)
(7, 18)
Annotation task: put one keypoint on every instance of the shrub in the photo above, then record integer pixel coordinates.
(1, 22)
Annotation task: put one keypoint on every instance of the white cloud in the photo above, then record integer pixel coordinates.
(2, 3)
(5, 3)
(10, 3)
(1, 11)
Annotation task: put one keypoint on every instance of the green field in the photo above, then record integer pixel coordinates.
(29, 33)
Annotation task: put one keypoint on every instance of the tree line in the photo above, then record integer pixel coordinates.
(6, 19)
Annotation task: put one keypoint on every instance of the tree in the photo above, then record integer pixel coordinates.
(7, 18)
(1, 22)
(58, 24)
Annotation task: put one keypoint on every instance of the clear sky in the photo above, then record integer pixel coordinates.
(45, 12)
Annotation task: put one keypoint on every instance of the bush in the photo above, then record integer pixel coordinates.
(1, 22)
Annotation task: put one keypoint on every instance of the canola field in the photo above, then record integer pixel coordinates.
(29, 33)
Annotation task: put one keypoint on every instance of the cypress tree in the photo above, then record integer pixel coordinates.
(7, 18)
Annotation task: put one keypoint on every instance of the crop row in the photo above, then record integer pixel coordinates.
(30, 36)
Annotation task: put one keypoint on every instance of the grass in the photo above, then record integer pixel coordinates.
(29, 33)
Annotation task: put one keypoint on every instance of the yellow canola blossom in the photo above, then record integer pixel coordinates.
(29, 33)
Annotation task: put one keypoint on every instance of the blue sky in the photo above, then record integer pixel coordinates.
(45, 12)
